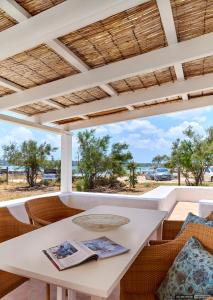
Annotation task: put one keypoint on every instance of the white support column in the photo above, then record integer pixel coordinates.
(66, 163)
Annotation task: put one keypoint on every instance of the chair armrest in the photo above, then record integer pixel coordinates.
(40, 222)
(158, 242)
(171, 229)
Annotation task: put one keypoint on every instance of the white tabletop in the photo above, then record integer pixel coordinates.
(23, 255)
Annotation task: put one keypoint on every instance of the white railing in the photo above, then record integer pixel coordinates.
(161, 198)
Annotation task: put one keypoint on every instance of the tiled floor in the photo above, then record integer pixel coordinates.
(35, 290)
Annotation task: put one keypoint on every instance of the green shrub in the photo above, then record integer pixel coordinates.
(80, 185)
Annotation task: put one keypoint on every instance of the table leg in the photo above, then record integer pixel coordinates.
(60, 293)
(71, 295)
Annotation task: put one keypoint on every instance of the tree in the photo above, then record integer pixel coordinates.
(159, 160)
(97, 162)
(29, 155)
(93, 156)
(132, 166)
(118, 158)
(192, 155)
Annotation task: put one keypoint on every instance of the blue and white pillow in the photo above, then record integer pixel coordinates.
(190, 275)
(191, 218)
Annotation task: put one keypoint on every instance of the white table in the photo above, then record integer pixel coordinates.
(23, 255)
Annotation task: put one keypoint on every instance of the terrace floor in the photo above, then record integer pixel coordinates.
(35, 290)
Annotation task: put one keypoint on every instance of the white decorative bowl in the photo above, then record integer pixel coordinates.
(100, 222)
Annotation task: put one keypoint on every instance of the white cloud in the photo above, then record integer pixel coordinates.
(52, 139)
(177, 131)
(192, 115)
(18, 135)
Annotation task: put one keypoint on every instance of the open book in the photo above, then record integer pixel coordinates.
(73, 253)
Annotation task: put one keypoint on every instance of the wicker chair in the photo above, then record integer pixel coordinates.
(10, 228)
(171, 229)
(44, 211)
(147, 272)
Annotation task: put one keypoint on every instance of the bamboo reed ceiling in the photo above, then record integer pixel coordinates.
(159, 101)
(201, 94)
(5, 21)
(120, 110)
(35, 7)
(5, 91)
(129, 33)
(34, 109)
(80, 97)
(35, 67)
(144, 81)
(198, 67)
(192, 18)
(71, 120)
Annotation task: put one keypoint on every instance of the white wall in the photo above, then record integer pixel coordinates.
(161, 198)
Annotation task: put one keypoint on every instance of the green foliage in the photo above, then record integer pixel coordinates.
(160, 161)
(80, 185)
(119, 156)
(192, 155)
(132, 166)
(29, 155)
(96, 162)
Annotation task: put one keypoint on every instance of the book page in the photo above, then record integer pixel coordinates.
(105, 247)
(69, 254)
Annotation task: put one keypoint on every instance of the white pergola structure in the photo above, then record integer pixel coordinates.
(81, 63)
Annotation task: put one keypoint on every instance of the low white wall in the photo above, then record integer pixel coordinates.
(162, 198)
(194, 194)
(205, 207)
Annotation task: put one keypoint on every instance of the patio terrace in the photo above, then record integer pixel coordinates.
(66, 65)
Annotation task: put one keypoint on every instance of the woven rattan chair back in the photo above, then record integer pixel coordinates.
(150, 268)
(46, 210)
(10, 228)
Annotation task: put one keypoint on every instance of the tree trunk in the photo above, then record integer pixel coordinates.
(31, 175)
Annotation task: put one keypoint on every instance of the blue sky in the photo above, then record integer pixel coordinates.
(146, 137)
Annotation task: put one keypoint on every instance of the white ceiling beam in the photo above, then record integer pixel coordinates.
(58, 21)
(167, 19)
(75, 61)
(15, 87)
(14, 120)
(178, 53)
(68, 55)
(159, 109)
(12, 8)
(132, 98)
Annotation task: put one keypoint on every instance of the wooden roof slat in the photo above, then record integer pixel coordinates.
(6, 21)
(158, 77)
(80, 97)
(129, 33)
(5, 91)
(35, 7)
(35, 67)
(34, 109)
(198, 67)
(192, 18)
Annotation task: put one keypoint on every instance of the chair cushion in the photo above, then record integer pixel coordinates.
(191, 218)
(191, 273)
(9, 282)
